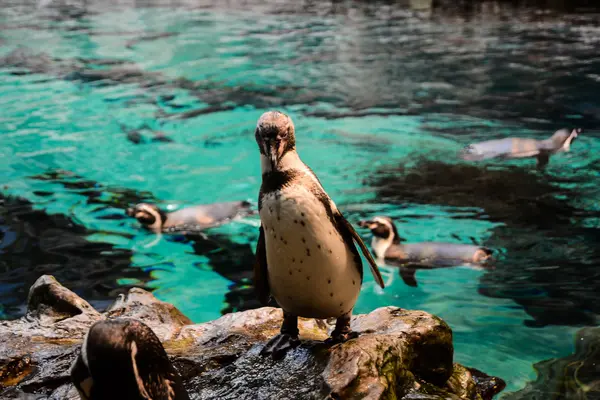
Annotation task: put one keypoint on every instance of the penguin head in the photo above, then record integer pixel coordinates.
(148, 215)
(563, 138)
(123, 359)
(275, 136)
(383, 228)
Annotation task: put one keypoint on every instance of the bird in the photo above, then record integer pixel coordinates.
(306, 256)
(389, 249)
(189, 219)
(515, 147)
(122, 359)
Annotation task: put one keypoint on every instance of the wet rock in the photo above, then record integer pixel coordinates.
(37, 350)
(573, 377)
(163, 318)
(399, 354)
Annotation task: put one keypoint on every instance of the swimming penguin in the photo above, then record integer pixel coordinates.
(306, 254)
(522, 147)
(409, 257)
(122, 359)
(190, 219)
(135, 135)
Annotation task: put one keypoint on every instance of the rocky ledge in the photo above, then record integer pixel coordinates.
(400, 354)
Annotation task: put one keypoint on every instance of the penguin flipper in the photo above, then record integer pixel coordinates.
(344, 225)
(261, 273)
(542, 160)
(408, 276)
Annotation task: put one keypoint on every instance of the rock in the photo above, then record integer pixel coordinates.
(163, 318)
(49, 303)
(573, 377)
(400, 354)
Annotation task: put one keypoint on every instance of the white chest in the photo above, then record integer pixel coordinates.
(312, 272)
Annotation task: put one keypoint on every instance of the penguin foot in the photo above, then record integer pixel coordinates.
(341, 337)
(279, 345)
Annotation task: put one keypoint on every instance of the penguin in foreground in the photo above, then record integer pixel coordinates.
(522, 147)
(190, 219)
(122, 359)
(410, 257)
(306, 254)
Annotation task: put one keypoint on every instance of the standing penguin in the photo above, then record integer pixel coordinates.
(561, 140)
(306, 256)
(410, 257)
(122, 359)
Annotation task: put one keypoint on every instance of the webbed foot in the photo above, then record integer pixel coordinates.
(287, 340)
(342, 331)
(341, 337)
(279, 345)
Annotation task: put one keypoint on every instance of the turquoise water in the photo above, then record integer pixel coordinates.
(382, 98)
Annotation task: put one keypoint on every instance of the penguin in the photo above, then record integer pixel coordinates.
(389, 249)
(522, 147)
(190, 219)
(135, 136)
(122, 359)
(306, 256)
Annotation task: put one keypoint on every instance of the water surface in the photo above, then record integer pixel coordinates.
(106, 106)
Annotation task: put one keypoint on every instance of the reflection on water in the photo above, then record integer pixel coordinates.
(576, 376)
(146, 103)
(33, 243)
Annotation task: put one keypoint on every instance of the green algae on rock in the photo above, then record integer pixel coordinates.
(400, 354)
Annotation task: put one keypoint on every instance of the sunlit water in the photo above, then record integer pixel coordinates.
(383, 98)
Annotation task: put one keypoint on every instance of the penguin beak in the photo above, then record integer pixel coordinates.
(130, 211)
(273, 149)
(366, 224)
(575, 133)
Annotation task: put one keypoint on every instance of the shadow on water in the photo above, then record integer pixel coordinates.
(233, 261)
(549, 264)
(554, 275)
(513, 195)
(33, 243)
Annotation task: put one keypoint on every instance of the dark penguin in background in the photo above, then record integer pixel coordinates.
(306, 254)
(122, 359)
(410, 257)
(190, 219)
(522, 147)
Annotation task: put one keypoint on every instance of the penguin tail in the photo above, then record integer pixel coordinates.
(246, 208)
(483, 255)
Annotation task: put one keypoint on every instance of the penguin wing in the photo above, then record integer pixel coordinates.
(542, 160)
(261, 273)
(408, 276)
(347, 230)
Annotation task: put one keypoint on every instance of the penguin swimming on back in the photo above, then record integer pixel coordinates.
(560, 141)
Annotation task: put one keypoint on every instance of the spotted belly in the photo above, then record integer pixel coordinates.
(312, 271)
